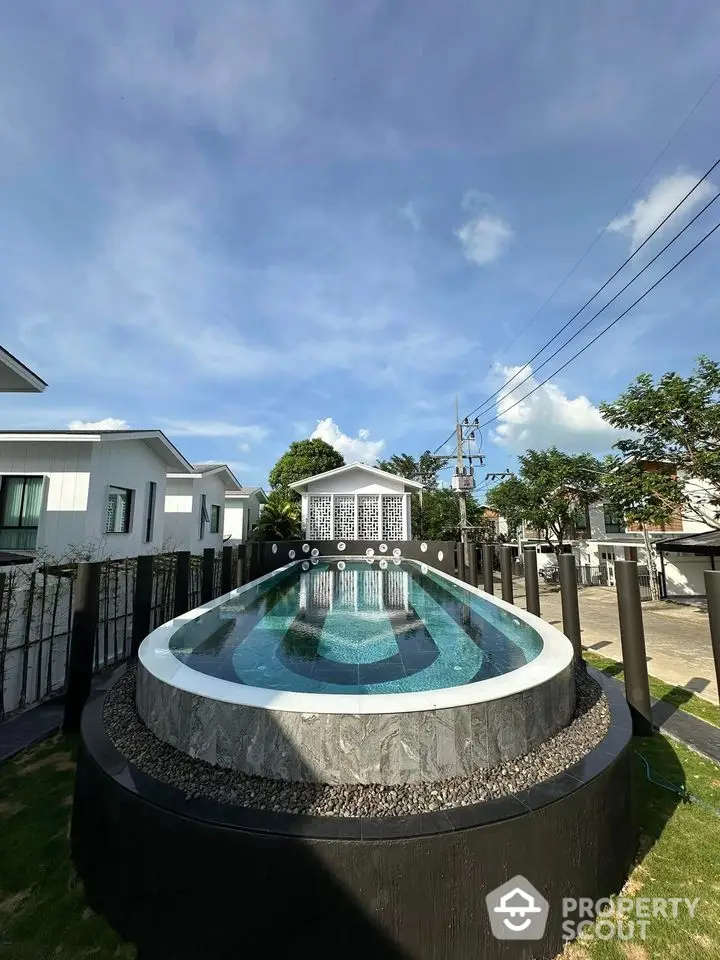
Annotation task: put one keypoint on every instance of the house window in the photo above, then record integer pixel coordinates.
(150, 518)
(119, 510)
(214, 518)
(204, 516)
(20, 500)
(614, 520)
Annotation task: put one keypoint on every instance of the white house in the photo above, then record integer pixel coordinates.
(69, 492)
(356, 502)
(242, 512)
(15, 377)
(194, 505)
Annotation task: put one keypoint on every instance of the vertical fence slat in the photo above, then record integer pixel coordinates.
(82, 644)
(142, 602)
(208, 575)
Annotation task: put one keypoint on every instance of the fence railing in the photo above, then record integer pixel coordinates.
(37, 606)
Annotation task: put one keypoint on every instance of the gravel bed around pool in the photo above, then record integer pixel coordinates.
(196, 778)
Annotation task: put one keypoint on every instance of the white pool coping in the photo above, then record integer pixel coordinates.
(156, 657)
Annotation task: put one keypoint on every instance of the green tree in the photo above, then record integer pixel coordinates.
(642, 496)
(551, 493)
(675, 421)
(304, 458)
(435, 514)
(279, 519)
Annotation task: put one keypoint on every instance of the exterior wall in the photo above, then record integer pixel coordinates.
(684, 574)
(356, 481)
(182, 512)
(66, 468)
(253, 510)
(235, 525)
(130, 464)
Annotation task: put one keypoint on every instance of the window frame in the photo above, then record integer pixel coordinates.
(128, 511)
(204, 515)
(613, 519)
(151, 505)
(3, 495)
(215, 517)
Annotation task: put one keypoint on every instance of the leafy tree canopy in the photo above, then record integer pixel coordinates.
(435, 516)
(641, 495)
(676, 421)
(304, 458)
(279, 519)
(550, 490)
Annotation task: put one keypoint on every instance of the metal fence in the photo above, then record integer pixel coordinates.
(36, 619)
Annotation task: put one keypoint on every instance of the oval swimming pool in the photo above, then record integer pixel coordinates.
(356, 627)
(356, 669)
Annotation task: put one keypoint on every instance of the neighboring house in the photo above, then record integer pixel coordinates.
(242, 512)
(356, 502)
(498, 522)
(684, 560)
(64, 492)
(194, 506)
(15, 377)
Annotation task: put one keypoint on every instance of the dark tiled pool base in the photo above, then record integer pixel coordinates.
(356, 748)
(191, 879)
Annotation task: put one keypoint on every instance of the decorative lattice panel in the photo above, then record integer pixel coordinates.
(344, 516)
(319, 517)
(392, 518)
(368, 517)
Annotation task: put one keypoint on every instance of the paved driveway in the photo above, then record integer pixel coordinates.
(677, 637)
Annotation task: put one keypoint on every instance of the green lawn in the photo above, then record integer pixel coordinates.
(43, 915)
(679, 697)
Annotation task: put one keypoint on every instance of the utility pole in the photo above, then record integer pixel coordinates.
(464, 480)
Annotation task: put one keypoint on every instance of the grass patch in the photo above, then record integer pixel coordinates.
(43, 914)
(678, 697)
(679, 856)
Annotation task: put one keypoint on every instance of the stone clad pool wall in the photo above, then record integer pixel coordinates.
(357, 748)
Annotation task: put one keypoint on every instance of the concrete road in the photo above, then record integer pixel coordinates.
(677, 637)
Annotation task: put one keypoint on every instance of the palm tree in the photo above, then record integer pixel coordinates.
(279, 520)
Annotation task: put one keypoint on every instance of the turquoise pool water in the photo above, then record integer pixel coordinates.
(356, 627)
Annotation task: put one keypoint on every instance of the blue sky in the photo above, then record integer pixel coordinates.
(247, 222)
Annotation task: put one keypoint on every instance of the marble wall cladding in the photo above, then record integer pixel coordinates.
(349, 748)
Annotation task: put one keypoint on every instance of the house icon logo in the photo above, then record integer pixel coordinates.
(517, 911)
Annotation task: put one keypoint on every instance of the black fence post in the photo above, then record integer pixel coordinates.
(240, 570)
(86, 603)
(712, 592)
(489, 567)
(506, 562)
(532, 589)
(460, 560)
(569, 603)
(182, 583)
(632, 640)
(226, 570)
(208, 575)
(471, 566)
(142, 602)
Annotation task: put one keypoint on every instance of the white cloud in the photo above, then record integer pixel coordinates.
(214, 428)
(352, 448)
(411, 213)
(663, 197)
(109, 423)
(547, 417)
(484, 238)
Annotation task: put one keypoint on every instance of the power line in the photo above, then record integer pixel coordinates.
(606, 328)
(605, 306)
(625, 202)
(486, 402)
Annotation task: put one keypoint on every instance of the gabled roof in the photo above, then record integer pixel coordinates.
(245, 492)
(373, 471)
(208, 470)
(155, 439)
(15, 377)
